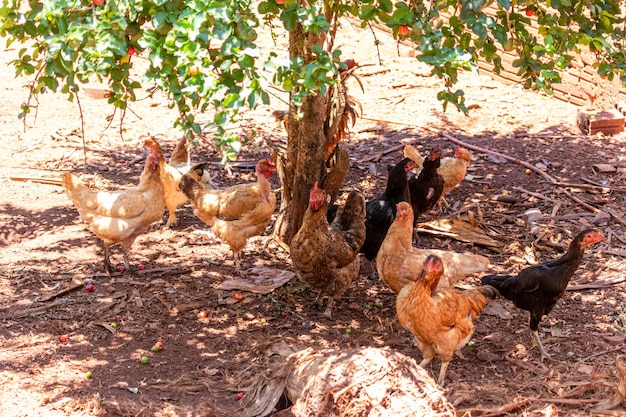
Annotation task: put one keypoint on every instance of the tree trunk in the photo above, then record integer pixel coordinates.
(305, 145)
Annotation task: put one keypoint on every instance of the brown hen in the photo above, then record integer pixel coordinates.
(235, 213)
(399, 263)
(325, 255)
(442, 321)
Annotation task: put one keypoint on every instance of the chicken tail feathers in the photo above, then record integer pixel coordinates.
(202, 173)
(180, 154)
(411, 152)
(499, 282)
(191, 187)
(490, 292)
(480, 297)
(350, 218)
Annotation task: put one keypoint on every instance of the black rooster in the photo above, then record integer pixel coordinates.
(538, 287)
(426, 188)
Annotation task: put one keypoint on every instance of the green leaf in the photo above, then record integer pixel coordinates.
(386, 6)
(368, 12)
(289, 17)
(479, 30)
(506, 4)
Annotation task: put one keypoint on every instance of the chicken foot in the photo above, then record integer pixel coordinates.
(319, 300)
(107, 260)
(442, 372)
(534, 334)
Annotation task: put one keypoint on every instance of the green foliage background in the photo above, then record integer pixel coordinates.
(203, 54)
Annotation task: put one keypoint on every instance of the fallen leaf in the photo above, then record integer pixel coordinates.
(260, 280)
(495, 309)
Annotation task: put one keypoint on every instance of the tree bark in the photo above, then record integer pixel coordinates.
(305, 145)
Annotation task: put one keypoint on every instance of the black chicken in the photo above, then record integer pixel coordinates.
(426, 188)
(538, 288)
(381, 211)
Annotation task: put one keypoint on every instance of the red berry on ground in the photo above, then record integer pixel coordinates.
(63, 339)
(141, 267)
(238, 297)
(240, 396)
(120, 268)
(284, 314)
(89, 287)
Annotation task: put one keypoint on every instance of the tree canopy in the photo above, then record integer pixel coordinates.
(203, 55)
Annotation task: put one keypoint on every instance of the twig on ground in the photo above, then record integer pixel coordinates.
(492, 412)
(537, 195)
(614, 349)
(34, 311)
(572, 401)
(615, 215)
(377, 156)
(49, 181)
(596, 284)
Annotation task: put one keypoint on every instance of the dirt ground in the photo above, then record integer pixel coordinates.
(51, 338)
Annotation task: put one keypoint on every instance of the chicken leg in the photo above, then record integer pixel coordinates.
(107, 260)
(442, 373)
(534, 334)
(237, 260)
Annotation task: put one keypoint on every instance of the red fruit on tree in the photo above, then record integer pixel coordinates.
(98, 2)
(530, 12)
(404, 30)
(280, 1)
(131, 50)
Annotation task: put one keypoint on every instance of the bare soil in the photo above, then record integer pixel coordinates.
(44, 248)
